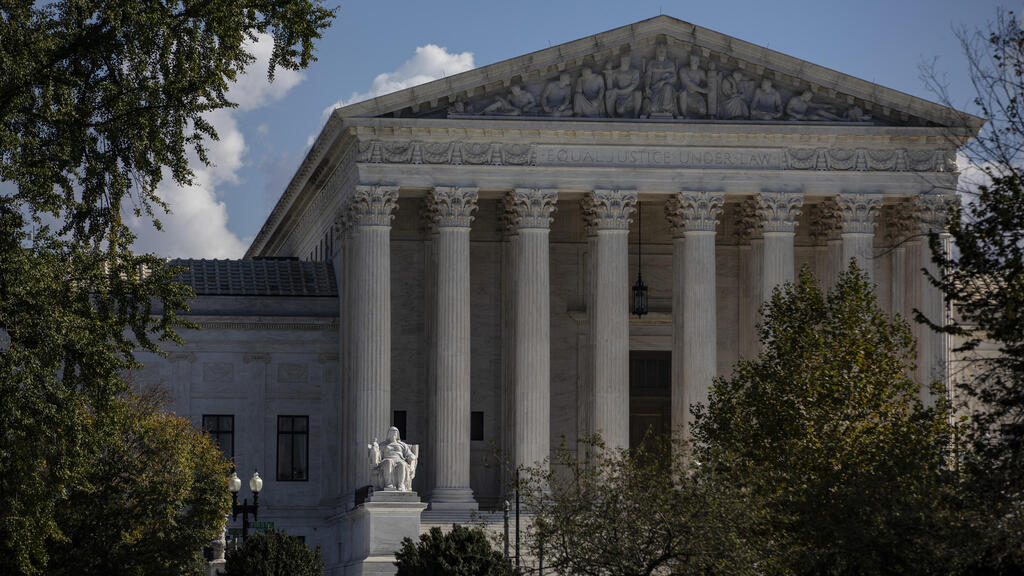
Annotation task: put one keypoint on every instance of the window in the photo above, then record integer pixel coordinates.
(399, 421)
(222, 428)
(293, 448)
(476, 426)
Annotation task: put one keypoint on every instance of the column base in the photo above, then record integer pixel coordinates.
(378, 527)
(453, 499)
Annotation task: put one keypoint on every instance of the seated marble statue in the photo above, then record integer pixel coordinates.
(734, 101)
(517, 103)
(393, 463)
(622, 96)
(767, 104)
(660, 85)
(556, 99)
(589, 99)
(801, 108)
(693, 100)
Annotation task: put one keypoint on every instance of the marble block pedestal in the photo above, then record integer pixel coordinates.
(378, 527)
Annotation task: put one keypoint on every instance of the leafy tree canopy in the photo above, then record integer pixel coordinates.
(273, 554)
(825, 426)
(460, 552)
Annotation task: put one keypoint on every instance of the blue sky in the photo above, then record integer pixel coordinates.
(378, 46)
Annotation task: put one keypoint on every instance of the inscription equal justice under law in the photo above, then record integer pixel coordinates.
(665, 157)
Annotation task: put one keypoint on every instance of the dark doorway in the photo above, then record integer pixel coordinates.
(650, 394)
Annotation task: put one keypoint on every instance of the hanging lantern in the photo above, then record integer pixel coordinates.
(639, 307)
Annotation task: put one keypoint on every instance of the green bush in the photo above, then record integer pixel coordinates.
(461, 552)
(274, 554)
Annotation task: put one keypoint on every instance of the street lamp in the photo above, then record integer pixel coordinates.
(255, 485)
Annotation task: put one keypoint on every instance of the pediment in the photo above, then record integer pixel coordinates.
(661, 70)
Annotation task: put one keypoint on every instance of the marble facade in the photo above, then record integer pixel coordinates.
(483, 235)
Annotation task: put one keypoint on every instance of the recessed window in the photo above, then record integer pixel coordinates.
(221, 427)
(399, 422)
(476, 426)
(292, 448)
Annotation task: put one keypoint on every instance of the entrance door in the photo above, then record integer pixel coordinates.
(650, 394)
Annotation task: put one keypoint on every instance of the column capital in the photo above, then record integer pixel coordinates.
(826, 220)
(609, 209)
(932, 211)
(748, 222)
(452, 206)
(900, 221)
(530, 208)
(694, 211)
(372, 206)
(859, 211)
(778, 210)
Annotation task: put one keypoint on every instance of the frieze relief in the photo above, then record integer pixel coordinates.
(502, 154)
(666, 82)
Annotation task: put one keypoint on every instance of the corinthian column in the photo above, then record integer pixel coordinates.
(453, 209)
(751, 255)
(778, 212)
(530, 212)
(370, 299)
(608, 212)
(694, 216)
(858, 230)
(932, 347)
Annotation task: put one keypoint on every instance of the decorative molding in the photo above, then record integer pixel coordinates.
(264, 325)
(694, 211)
(859, 211)
(531, 207)
(218, 372)
(826, 219)
(292, 373)
(182, 356)
(417, 152)
(373, 205)
(778, 210)
(609, 209)
(251, 357)
(452, 206)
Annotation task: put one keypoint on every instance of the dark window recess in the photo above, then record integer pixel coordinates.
(292, 448)
(399, 422)
(650, 373)
(222, 428)
(476, 426)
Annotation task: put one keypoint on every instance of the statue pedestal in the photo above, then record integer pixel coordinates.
(378, 527)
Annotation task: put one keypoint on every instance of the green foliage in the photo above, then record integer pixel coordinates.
(825, 427)
(460, 552)
(153, 494)
(984, 278)
(99, 102)
(274, 554)
(638, 512)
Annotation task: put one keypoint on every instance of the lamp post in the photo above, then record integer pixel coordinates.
(255, 485)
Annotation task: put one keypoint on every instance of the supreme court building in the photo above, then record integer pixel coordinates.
(457, 258)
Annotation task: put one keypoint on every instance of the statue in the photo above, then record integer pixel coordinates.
(801, 108)
(856, 114)
(622, 96)
(393, 462)
(693, 95)
(589, 99)
(518, 103)
(660, 85)
(556, 99)
(767, 104)
(734, 103)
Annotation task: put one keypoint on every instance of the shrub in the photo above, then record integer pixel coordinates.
(274, 554)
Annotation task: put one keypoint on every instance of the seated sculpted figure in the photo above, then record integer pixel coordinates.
(556, 99)
(519, 102)
(734, 101)
(693, 100)
(660, 85)
(622, 95)
(767, 104)
(589, 99)
(392, 462)
(801, 108)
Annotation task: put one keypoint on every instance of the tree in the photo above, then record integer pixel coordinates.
(825, 427)
(638, 512)
(274, 554)
(983, 277)
(100, 101)
(153, 494)
(460, 552)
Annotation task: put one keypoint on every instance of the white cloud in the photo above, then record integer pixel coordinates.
(197, 224)
(429, 63)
